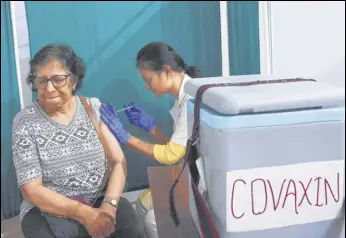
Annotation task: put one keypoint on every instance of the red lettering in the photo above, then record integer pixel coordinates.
(271, 190)
(236, 217)
(318, 192)
(294, 193)
(252, 197)
(305, 189)
(291, 190)
(326, 183)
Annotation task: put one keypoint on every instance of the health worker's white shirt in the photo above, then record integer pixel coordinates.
(179, 115)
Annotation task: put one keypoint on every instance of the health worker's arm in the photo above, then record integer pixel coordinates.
(170, 152)
(159, 136)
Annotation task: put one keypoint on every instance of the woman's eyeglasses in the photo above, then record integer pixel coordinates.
(58, 81)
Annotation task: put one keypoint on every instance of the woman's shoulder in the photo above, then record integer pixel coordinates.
(95, 104)
(25, 117)
(93, 101)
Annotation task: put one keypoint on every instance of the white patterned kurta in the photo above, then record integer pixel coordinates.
(69, 159)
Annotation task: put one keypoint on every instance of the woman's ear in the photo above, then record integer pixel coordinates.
(167, 70)
(73, 89)
(74, 83)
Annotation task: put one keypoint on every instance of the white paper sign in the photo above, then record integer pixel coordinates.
(273, 197)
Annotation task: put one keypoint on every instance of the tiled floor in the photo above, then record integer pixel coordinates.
(11, 228)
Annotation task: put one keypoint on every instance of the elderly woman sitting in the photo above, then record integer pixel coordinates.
(70, 168)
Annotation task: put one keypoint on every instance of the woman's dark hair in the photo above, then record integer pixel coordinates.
(62, 53)
(155, 55)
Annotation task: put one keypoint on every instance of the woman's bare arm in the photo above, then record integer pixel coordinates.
(52, 202)
(117, 162)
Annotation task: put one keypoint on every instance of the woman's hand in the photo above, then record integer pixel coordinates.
(111, 118)
(99, 222)
(138, 117)
(109, 208)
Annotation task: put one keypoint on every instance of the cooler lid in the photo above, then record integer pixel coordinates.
(265, 97)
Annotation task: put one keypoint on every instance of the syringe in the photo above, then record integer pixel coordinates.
(120, 110)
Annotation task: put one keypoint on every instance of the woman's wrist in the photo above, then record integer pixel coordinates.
(108, 207)
(71, 214)
(82, 213)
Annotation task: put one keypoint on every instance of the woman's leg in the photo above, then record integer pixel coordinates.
(34, 225)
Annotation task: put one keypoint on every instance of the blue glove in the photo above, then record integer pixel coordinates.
(111, 118)
(138, 117)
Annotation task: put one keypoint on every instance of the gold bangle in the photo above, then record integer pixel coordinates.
(75, 210)
(72, 213)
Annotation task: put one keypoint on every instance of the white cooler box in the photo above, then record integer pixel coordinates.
(273, 157)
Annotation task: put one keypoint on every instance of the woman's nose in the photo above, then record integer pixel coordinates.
(50, 87)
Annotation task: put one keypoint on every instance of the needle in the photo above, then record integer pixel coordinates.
(120, 110)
